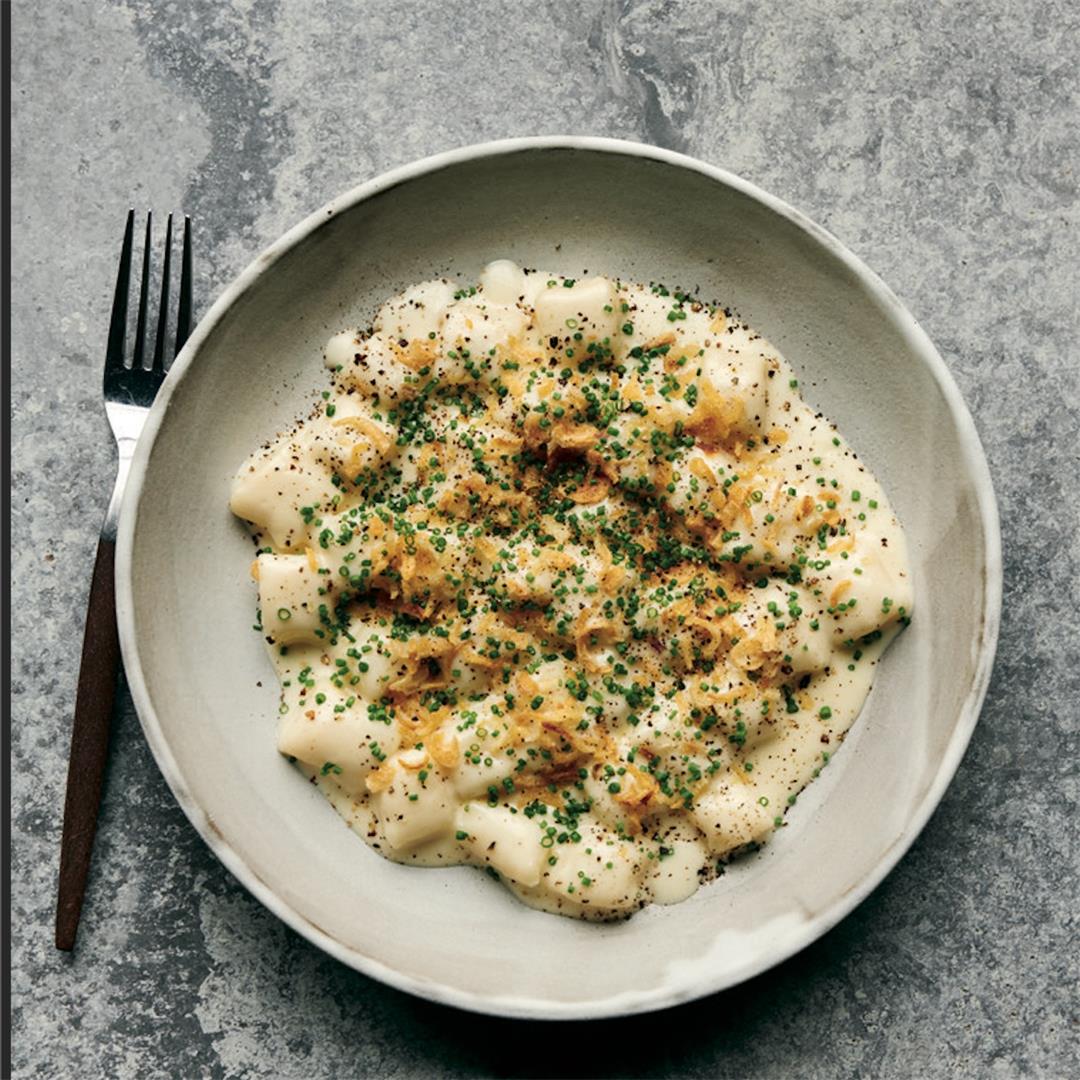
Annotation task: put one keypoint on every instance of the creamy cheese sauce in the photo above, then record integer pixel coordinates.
(564, 580)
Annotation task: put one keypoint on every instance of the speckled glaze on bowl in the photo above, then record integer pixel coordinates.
(207, 695)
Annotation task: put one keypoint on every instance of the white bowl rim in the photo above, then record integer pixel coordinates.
(787, 942)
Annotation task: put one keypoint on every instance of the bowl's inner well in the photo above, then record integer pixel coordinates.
(215, 694)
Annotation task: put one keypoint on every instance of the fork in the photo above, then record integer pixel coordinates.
(129, 390)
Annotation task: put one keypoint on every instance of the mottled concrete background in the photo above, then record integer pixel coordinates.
(940, 141)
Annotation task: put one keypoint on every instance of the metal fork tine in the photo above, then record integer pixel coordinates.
(163, 309)
(114, 351)
(140, 324)
(183, 317)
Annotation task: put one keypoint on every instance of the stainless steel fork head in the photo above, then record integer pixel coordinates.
(130, 387)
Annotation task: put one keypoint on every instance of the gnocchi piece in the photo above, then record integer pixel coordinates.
(419, 804)
(508, 843)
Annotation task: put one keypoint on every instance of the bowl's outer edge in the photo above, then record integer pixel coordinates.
(784, 946)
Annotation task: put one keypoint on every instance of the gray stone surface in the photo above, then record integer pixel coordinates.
(940, 141)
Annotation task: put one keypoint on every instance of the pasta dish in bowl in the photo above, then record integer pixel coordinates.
(583, 567)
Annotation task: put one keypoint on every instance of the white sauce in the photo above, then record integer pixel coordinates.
(564, 580)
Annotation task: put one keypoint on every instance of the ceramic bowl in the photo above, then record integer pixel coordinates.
(207, 695)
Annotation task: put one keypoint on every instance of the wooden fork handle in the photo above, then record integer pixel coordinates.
(89, 744)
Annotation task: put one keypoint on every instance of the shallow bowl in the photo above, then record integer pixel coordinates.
(207, 695)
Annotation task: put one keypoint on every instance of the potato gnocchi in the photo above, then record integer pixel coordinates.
(564, 580)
